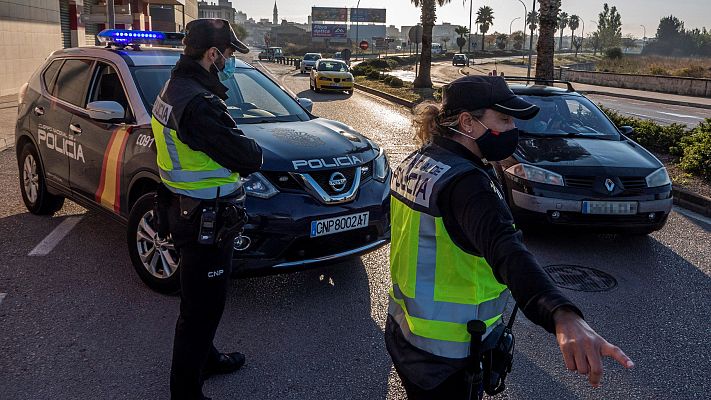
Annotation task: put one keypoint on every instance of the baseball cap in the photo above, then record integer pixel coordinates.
(476, 92)
(203, 33)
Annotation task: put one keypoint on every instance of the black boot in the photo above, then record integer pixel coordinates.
(225, 363)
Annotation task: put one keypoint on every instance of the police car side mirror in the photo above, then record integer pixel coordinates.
(106, 111)
(306, 103)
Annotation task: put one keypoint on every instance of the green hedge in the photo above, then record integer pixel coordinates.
(691, 146)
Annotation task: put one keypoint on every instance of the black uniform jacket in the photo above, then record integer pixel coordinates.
(479, 221)
(206, 126)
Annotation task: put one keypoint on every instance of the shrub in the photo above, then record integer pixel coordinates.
(693, 71)
(657, 70)
(655, 137)
(396, 82)
(373, 74)
(614, 53)
(388, 79)
(377, 63)
(697, 150)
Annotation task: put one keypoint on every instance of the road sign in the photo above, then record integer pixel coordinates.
(346, 53)
(363, 45)
(415, 34)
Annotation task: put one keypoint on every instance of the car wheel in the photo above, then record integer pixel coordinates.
(156, 261)
(311, 85)
(350, 92)
(33, 185)
(316, 89)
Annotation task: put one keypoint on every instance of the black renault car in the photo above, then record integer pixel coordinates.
(83, 132)
(573, 167)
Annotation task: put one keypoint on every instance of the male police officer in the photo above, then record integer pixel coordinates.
(201, 155)
(455, 251)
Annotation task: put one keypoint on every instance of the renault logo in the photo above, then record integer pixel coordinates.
(337, 181)
(609, 185)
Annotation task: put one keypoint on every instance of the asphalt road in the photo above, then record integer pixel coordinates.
(78, 323)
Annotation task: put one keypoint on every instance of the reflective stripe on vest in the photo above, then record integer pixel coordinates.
(437, 288)
(189, 172)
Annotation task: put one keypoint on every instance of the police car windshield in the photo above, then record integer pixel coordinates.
(252, 97)
(567, 115)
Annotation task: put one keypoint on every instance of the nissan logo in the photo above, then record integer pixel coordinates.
(337, 181)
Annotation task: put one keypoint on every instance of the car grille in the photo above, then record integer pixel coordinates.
(283, 181)
(322, 178)
(580, 182)
(633, 182)
(336, 80)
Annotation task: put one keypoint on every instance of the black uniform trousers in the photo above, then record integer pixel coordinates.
(453, 388)
(204, 276)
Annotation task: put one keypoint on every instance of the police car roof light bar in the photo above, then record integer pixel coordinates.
(134, 38)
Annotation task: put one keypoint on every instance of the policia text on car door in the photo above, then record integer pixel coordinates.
(201, 155)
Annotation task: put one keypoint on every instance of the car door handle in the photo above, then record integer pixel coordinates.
(75, 128)
(39, 111)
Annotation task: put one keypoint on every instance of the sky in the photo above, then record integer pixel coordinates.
(634, 13)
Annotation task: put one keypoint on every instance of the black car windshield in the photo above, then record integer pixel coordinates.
(332, 66)
(567, 115)
(252, 97)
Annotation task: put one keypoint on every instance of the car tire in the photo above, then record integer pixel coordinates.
(33, 186)
(158, 270)
(350, 92)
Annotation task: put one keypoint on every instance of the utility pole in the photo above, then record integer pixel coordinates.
(357, 25)
(525, 17)
(111, 14)
(469, 45)
(644, 38)
(530, 45)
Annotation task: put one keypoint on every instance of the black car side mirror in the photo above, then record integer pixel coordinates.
(627, 130)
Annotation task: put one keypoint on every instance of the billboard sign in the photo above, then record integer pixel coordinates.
(328, 31)
(329, 14)
(376, 15)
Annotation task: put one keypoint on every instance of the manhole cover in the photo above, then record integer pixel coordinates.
(582, 279)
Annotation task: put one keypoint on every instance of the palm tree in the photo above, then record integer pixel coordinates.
(532, 20)
(562, 24)
(573, 24)
(428, 17)
(485, 18)
(548, 21)
(461, 31)
(445, 40)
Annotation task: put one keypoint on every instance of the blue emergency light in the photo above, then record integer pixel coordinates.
(128, 37)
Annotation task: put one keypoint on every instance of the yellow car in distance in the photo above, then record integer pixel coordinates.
(330, 74)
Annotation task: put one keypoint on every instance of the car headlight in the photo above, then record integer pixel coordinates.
(535, 174)
(658, 178)
(381, 167)
(258, 186)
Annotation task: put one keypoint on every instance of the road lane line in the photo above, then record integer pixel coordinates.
(2, 297)
(54, 237)
(694, 216)
(680, 115)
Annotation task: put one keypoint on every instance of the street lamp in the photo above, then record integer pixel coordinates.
(530, 45)
(511, 24)
(525, 15)
(469, 45)
(357, 25)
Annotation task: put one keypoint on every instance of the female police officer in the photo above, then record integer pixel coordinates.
(455, 251)
(201, 154)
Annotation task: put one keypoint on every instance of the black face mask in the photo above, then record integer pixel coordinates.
(494, 145)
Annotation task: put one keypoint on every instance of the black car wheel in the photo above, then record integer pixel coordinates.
(156, 261)
(33, 186)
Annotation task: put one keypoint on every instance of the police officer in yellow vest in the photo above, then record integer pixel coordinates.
(201, 156)
(456, 253)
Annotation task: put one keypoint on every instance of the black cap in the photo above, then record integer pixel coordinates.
(204, 33)
(476, 92)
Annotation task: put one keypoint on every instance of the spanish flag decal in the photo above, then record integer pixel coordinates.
(109, 190)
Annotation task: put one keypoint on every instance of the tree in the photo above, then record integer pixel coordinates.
(562, 24)
(461, 31)
(532, 20)
(573, 24)
(445, 39)
(502, 40)
(609, 27)
(485, 18)
(548, 21)
(240, 30)
(517, 39)
(428, 17)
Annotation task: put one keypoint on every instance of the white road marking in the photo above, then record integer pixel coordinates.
(54, 237)
(692, 215)
(2, 297)
(680, 115)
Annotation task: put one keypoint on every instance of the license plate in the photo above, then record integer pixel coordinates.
(610, 207)
(330, 226)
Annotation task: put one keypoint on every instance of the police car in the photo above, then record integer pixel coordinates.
(84, 133)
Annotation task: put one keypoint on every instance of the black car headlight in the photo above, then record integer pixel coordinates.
(258, 186)
(381, 167)
(535, 174)
(658, 178)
